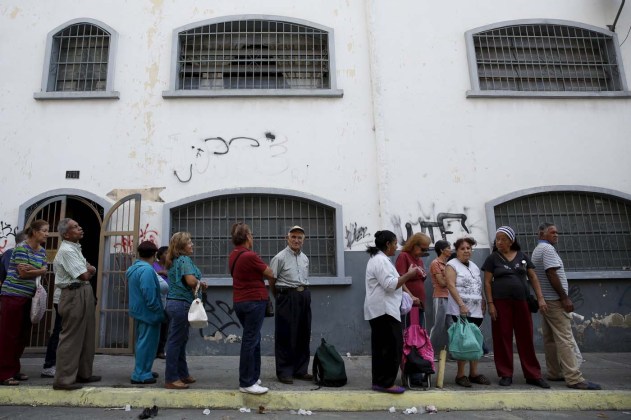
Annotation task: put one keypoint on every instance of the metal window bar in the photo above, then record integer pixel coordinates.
(546, 58)
(595, 229)
(269, 217)
(80, 59)
(253, 54)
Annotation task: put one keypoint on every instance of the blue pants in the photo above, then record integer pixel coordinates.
(251, 315)
(176, 366)
(147, 336)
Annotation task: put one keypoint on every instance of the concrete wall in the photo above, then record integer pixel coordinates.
(402, 145)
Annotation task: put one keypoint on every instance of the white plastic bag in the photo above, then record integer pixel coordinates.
(197, 316)
(39, 302)
(406, 303)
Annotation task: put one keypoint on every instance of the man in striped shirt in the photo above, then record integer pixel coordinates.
(75, 353)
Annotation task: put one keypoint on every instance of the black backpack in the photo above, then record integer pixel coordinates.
(328, 366)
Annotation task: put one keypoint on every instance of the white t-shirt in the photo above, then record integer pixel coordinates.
(382, 295)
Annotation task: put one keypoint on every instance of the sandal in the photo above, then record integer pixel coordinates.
(188, 380)
(10, 382)
(463, 381)
(20, 377)
(480, 379)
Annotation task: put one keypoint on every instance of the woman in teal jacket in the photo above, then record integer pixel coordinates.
(145, 306)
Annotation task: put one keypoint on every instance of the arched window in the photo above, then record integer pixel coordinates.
(253, 55)
(79, 61)
(544, 58)
(269, 215)
(594, 226)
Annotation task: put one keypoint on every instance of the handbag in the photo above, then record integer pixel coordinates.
(197, 316)
(533, 303)
(406, 303)
(39, 302)
(465, 340)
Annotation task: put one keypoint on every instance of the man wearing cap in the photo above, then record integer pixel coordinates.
(75, 353)
(558, 339)
(293, 309)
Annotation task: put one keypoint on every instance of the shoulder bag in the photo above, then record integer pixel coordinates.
(465, 340)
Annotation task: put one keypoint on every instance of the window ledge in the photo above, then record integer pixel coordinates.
(547, 95)
(41, 96)
(313, 281)
(590, 275)
(253, 93)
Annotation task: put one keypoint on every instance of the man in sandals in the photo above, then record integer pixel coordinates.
(558, 339)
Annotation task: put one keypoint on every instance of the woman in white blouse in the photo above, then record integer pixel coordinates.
(382, 310)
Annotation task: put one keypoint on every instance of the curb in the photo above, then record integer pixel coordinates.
(319, 400)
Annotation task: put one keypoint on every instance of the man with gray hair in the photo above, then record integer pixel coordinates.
(558, 339)
(75, 354)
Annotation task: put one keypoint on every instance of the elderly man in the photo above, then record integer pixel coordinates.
(558, 339)
(75, 353)
(293, 309)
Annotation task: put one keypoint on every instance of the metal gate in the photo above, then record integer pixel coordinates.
(117, 250)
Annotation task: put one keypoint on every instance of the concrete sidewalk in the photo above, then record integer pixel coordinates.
(217, 388)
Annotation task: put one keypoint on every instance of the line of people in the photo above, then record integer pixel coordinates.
(459, 291)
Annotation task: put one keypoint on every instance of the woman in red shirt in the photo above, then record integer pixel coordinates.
(415, 248)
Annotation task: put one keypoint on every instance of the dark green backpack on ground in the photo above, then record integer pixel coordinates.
(328, 366)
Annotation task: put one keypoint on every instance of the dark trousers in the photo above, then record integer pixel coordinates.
(164, 334)
(514, 316)
(15, 330)
(53, 341)
(176, 365)
(251, 315)
(386, 343)
(292, 333)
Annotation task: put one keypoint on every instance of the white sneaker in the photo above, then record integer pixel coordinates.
(49, 372)
(258, 382)
(254, 389)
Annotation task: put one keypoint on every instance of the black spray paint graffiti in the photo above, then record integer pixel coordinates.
(221, 316)
(224, 149)
(6, 231)
(354, 234)
(427, 226)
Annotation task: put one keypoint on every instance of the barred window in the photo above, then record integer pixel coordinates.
(269, 216)
(537, 58)
(594, 228)
(254, 55)
(79, 61)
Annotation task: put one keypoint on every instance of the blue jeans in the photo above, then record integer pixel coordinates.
(251, 315)
(176, 366)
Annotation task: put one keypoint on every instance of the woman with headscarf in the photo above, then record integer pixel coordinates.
(505, 272)
(184, 283)
(27, 262)
(250, 299)
(382, 311)
(465, 300)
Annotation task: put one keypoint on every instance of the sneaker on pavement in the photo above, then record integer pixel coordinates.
(258, 382)
(49, 372)
(254, 389)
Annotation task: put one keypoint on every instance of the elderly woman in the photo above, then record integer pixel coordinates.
(145, 306)
(382, 311)
(27, 262)
(250, 298)
(438, 335)
(465, 299)
(184, 280)
(505, 272)
(415, 247)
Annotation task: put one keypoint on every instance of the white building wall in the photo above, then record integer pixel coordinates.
(403, 143)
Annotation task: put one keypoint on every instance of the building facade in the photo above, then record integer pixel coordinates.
(140, 119)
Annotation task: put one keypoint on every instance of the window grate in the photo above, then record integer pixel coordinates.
(594, 229)
(269, 217)
(79, 59)
(546, 57)
(253, 54)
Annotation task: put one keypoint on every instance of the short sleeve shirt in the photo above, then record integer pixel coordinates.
(544, 257)
(415, 285)
(508, 276)
(69, 264)
(178, 289)
(438, 267)
(247, 275)
(14, 285)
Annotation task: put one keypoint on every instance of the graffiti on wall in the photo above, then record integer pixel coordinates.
(221, 317)
(218, 146)
(353, 234)
(6, 231)
(437, 227)
(125, 245)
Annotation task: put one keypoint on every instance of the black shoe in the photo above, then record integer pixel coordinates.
(304, 377)
(155, 374)
(69, 387)
(286, 380)
(145, 382)
(148, 412)
(93, 378)
(541, 383)
(506, 381)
